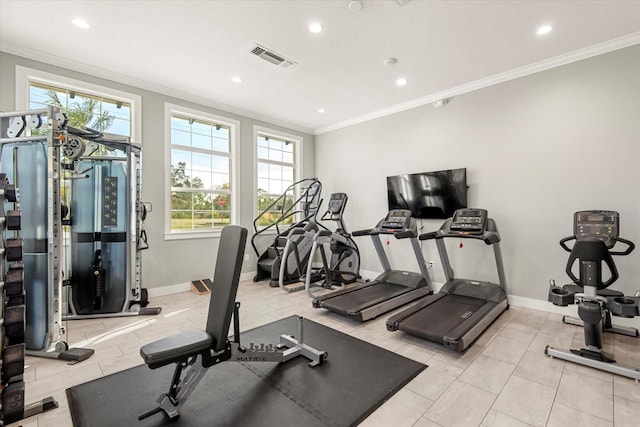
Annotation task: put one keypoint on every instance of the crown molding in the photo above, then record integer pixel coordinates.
(557, 61)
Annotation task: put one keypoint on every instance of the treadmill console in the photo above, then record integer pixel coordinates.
(600, 225)
(469, 221)
(396, 220)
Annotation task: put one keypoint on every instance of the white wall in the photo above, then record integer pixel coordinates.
(176, 261)
(536, 150)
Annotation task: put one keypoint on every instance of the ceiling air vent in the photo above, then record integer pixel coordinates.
(272, 57)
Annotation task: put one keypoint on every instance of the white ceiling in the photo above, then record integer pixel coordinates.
(192, 48)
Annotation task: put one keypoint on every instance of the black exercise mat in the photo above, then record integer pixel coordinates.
(356, 378)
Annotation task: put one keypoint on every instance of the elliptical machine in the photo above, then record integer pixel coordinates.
(343, 267)
(302, 243)
(595, 234)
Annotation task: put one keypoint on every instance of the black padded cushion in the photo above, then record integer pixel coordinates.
(225, 283)
(175, 348)
(221, 305)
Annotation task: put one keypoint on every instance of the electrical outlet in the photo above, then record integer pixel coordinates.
(246, 257)
(431, 264)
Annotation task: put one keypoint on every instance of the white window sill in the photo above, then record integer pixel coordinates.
(183, 235)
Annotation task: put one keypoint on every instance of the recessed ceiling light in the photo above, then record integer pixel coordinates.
(355, 5)
(321, 110)
(81, 23)
(236, 79)
(390, 61)
(315, 27)
(401, 81)
(544, 29)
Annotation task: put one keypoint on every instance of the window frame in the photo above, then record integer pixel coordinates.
(297, 158)
(25, 76)
(234, 182)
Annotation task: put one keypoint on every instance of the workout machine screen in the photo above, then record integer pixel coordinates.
(435, 195)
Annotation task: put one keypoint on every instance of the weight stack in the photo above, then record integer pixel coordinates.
(12, 308)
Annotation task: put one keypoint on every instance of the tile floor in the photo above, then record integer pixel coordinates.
(504, 379)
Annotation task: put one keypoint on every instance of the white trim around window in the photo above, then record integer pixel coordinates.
(298, 166)
(25, 76)
(234, 137)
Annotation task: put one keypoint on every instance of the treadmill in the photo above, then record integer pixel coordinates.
(392, 288)
(463, 308)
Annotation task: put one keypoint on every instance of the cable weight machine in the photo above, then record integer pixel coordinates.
(82, 221)
(105, 224)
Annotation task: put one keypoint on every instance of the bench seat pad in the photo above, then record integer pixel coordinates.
(175, 348)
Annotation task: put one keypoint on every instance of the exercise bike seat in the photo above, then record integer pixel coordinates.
(176, 348)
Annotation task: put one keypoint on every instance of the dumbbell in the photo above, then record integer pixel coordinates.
(14, 285)
(13, 402)
(12, 249)
(13, 220)
(8, 190)
(14, 323)
(14, 280)
(12, 361)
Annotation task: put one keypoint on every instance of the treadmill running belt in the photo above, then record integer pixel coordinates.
(364, 297)
(443, 316)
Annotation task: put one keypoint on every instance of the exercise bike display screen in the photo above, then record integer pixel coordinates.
(601, 225)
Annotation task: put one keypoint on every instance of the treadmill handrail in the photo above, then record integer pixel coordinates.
(398, 233)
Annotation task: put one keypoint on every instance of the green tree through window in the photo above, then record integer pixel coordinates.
(200, 174)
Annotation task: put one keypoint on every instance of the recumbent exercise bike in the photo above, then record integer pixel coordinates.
(595, 235)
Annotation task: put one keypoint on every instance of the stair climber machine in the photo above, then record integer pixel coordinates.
(82, 224)
(295, 209)
(595, 233)
(343, 266)
(392, 288)
(461, 311)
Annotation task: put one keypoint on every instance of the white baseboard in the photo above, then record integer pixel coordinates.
(248, 276)
(168, 290)
(369, 275)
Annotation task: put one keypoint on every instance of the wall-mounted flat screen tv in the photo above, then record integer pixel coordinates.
(429, 195)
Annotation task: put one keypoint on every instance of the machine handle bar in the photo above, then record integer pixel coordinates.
(428, 236)
(398, 233)
(367, 232)
(630, 247)
(563, 243)
(489, 237)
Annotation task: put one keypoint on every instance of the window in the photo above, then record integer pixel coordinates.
(82, 109)
(105, 109)
(277, 167)
(201, 169)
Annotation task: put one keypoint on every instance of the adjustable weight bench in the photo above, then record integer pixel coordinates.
(213, 344)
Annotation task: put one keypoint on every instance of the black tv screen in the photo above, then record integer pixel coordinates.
(429, 195)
